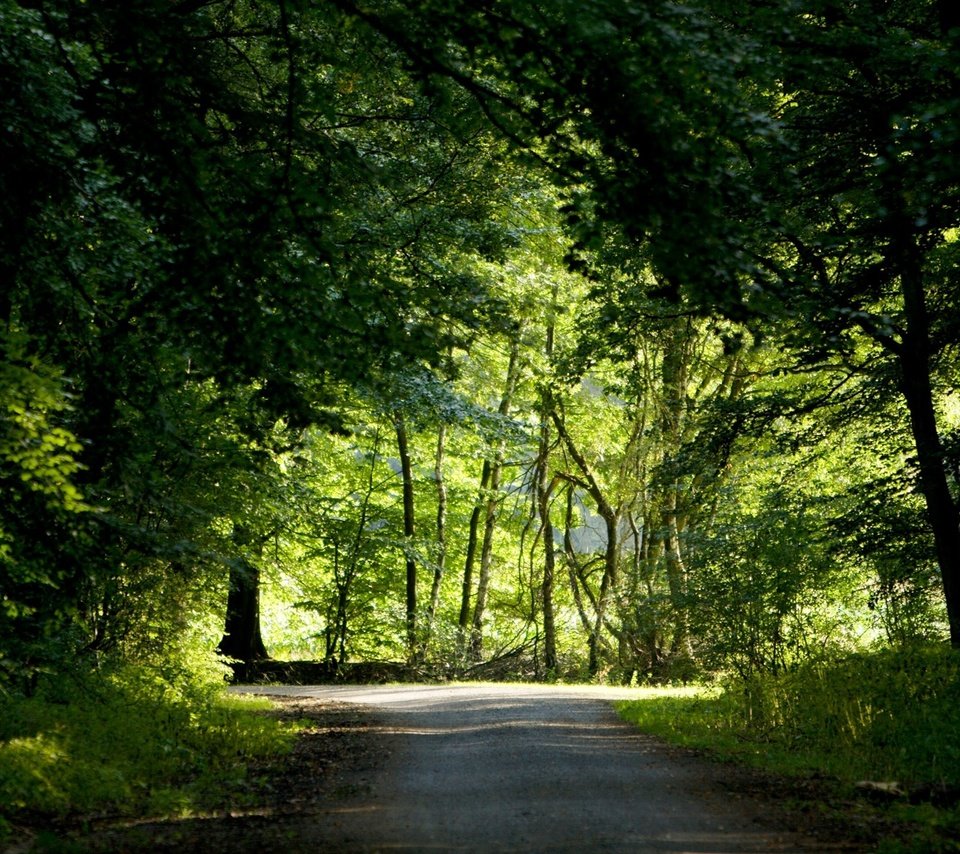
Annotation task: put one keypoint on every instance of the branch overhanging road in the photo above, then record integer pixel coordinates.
(525, 768)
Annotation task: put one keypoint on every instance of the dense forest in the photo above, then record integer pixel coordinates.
(607, 339)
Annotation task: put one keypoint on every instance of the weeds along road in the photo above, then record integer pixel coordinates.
(526, 769)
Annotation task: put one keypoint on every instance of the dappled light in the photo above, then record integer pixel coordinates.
(599, 348)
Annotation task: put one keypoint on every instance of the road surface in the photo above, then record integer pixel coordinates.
(518, 768)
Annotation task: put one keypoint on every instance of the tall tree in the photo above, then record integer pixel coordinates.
(492, 498)
(225, 199)
(543, 495)
(866, 245)
(809, 148)
(409, 531)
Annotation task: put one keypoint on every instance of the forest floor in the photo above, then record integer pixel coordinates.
(492, 768)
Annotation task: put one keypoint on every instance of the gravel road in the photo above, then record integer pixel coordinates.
(527, 769)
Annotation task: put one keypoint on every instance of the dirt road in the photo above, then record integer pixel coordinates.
(526, 769)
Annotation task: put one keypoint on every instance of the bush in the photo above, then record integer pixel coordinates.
(889, 715)
(137, 741)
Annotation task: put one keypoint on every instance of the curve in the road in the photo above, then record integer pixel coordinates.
(528, 769)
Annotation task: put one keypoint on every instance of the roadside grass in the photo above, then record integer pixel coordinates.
(886, 717)
(136, 742)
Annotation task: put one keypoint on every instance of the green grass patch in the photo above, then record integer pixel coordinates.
(892, 716)
(141, 741)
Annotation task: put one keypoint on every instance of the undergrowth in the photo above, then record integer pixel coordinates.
(163, 740)
(890, 716)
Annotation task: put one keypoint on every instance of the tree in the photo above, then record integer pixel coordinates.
(490, 500)
(867, 241)
(187, 215)
(409, 530)
(222, 222)
(543, 493)
(808, 152)
(242, 639)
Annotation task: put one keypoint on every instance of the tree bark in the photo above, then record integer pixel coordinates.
(572, 565)
(441, 557)
(487, 503)
(549, 556)
(409, 529)
(608, 584)
(674, 375)
(472, 537)
(543, 503)
(676, 579)
(345, 571)
(914, 361)
(611, 521)
(337, 641)
(242, 638)
(486, 558)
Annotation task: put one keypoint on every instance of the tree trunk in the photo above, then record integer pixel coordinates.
(543, 504)
(441, 557)
(915, 385)
(241, 635)
(648, 642)
(467, 590)
(680, 648)
(345, 571)
(674, 374)
(549, 556)
(494, 470)
(337, 643)
(486, 559)
(572, 565)
(611, 520)
(608, 585)
(409, 527)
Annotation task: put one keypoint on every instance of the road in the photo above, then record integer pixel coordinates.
(515, 768)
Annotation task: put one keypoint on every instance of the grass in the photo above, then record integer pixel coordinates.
(139, 742)
(164, 741)
(892, 716)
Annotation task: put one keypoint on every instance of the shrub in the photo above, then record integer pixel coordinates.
(139, 740)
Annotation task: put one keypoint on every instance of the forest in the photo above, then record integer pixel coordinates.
(607, 340)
